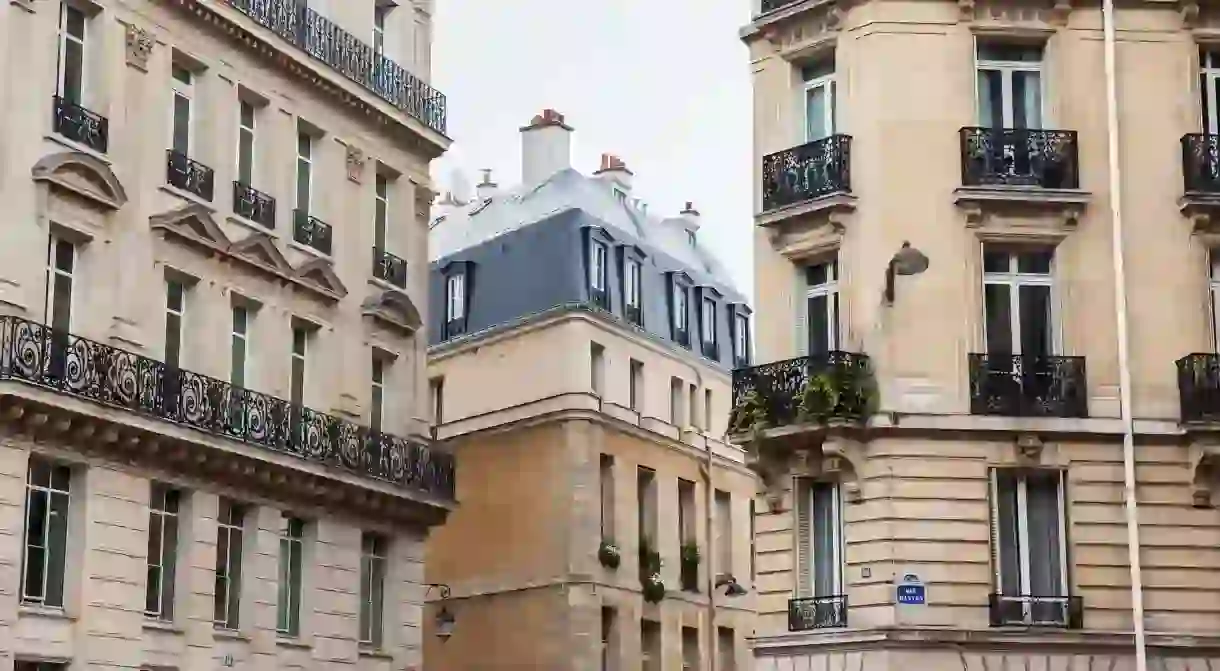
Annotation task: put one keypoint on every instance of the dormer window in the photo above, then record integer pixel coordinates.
(741, 340)
(457, 299)
(455, 295)
(632, 295)
(680, 310)
(598, 276)
(707, 328)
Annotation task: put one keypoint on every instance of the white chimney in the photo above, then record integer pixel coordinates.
(487, 188)
(614, 170)
(459, 185)
(546, 147)
(690, 220)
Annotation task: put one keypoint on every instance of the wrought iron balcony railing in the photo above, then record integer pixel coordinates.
(832, 385)
(1201, 163)
(772, 5)
(600, 298)
(634, 314)
(187, 174)
(390, 268)
(1017, 385)
(1019, 157)
(1065, 612)
(1199, 387)
(809, 171)
(252, 204)
(311, 231)
(81, 125)
(322, 39)
(36, 354)
(819, 612)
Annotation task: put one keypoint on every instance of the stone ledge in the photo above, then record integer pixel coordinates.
(976, 639)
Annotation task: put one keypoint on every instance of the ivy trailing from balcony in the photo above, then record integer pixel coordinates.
(842, 392)
(650, 572)
(750, 415)
(690, 559)
(608, 554)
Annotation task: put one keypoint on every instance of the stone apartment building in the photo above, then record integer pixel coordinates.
(983, 231)
(580, 377)
(213, 444)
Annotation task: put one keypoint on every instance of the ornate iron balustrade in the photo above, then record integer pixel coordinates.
(1199, 387)
(81, 125)
(600, 298)
(1017, 385)
(322, 39)
(809, 171)
(772, 5)
(187, 174)
(390, 268)
(819, 612)
(833, 385)
(1019, 157)
(253, 204)
(634, 314)
(36, 354)
(1201, 163)
(1066, 612)
(311, 231)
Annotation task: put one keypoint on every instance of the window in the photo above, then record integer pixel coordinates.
(606, 489)
(175, 312)
(632, 298)
(455, 297)
(230, 536)
(163, 506)
(381, 212)
(300, 342)
(820, 540)
(707, 327)
(47, 497)
(724, 531)
(437, 388)
(675, 401)
(707, 410)
(239, 349)
(646, 504)
(597, 368)
(377, 393)
(686, 511)
(373, 562)
(753, 544)
(819, 100)
(292, 549)
(692, 407)
(380, 12)
(1209, 61)
(71, 71)
(1009, 85)
(247, 114)
(690, 649)
(184, 90)
(61, 267)
(650, 645)
(304, 195)
(741, 340)
(635, 397)
(822, 307)
(725, 656)
(1029, 540)
(599, 280)
(1017, 288)
(608, 646)
(680, 313)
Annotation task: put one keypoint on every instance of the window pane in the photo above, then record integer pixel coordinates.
(819, 325)
(996, 261)
(1027, 99)
(817, 110)
(998, 318)
(57, 550)
(61, 306)
(247, 114)
(294, 569)
(245, 157)
(1042, 505)
(169, 567)
(1007, 533)
(152, 593)
(378, 605)
(284, 584)
(1035, 262)
(991, 99)
(379, 223)
(303, 188)
(182, 124)
(73, 72)
(237, 376)
(825, 530)
(1035, 308)
(173, 332)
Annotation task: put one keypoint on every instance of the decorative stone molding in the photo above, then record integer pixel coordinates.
(140, 43)
(394, 308)
(1029, 447)
(833, 452)
(1042, 17)
(1204, 469)
(809, 228)
(355, 163)
(1189, 10)
(981, 205)
(83, 175)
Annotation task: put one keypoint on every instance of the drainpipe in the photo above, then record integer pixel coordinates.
(1120, 317)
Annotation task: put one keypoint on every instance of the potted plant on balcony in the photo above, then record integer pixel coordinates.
(690, 558)
(844, 392)
(650, 572)
(750, 415)
(608, 554)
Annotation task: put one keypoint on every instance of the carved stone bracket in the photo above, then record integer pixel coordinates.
(355, 163)
(774, 466)
(1189, 10)
(1201, 210)
(1050, 211)
(1204, 468)
(140, 43)
(842, 459)
(1029, 447)
(810, 228)
(831, 454)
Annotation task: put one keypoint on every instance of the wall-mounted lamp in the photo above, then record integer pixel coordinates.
(444, 619)
(907, 261)
(732, 587)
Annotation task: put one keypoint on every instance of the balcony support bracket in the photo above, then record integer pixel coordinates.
(1205, 469)
(810, 228)
(981, 205)
(1202, 210)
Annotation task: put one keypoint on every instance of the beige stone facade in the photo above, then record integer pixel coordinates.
(983, 452)
(213, 250)
(551, 466)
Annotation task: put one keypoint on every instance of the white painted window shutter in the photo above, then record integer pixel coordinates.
(802, 494)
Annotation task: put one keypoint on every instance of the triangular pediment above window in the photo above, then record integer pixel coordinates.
(321, 274)
(393, 307)
(261, 249)
(84, 175)
(193, 222)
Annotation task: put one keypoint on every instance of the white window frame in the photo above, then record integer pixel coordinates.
(1014, 280)
(632, 271)
(304, 167)
(1023, 547)
(180, 314)
(598, 255)
(381, 11)
(381, 216)
(185, 91)
(455, 297)
(64, 38)
(837, 540)
(707, 318)
(303, 357)
(377, 392)
(158, 507)
(241, 335)
(50, 491)
(829, 123)
(53, 271)
(292, 540)
(681, 316)
(374, 550)
(235, 535)
(830, 290)
(252, 131)
(1006, 70)
(741, 337)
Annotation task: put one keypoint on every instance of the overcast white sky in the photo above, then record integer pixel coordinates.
(664, 84)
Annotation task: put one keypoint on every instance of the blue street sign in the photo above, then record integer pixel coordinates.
(911, 590)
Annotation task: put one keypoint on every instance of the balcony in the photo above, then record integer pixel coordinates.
(389, 268)
(1064, 612)
(1199, 387)
(254, 205)
(810, 171)
(1016, 385)
(193, 177)
(81, 125)
(819, 612)
(311, 231)
(34, 354)
(325, 41)
(1019, 157)
(813, 389)
(1201, 163)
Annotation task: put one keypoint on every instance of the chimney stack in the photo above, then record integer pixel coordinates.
(690, 220)
(487, 188)
(546, 147)
(615, 170)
